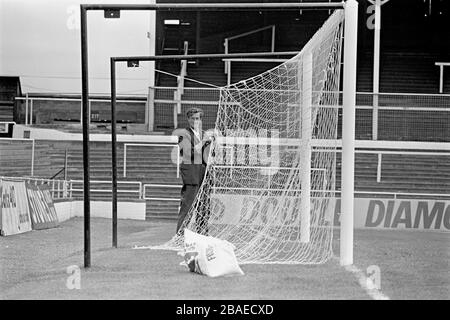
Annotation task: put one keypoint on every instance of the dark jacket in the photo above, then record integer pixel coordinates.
(193, 164)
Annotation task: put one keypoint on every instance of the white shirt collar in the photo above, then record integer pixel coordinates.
(197, 134)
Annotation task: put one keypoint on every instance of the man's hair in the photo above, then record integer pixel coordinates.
(192, 111)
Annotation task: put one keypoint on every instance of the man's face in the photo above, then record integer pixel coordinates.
(195, 121)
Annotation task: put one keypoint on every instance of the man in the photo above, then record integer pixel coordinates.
(193, 145)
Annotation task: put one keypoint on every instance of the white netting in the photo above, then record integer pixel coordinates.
(268, 128)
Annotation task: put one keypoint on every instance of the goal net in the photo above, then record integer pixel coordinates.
(271, 174)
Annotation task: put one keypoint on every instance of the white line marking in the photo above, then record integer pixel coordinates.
(366, 283)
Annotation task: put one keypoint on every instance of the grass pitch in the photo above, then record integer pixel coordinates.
(413, 265)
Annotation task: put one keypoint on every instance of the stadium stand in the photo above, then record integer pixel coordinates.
(405, 68)
(9, 89)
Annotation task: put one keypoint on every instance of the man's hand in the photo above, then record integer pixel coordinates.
(208, 136)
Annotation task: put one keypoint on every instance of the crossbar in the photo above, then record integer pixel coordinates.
(216, 6)
(203, 56)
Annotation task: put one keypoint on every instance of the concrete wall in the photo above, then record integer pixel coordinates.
(53, 134)
(67, 209)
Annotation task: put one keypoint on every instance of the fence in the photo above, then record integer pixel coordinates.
(383, 116)
(422, 166)
(166, 110)
(403, 117)
(431, 159)
(160, 186)
(64, 189)
(227, 41)
(103, 188)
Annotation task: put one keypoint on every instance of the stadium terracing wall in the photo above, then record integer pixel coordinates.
(26, 206)
(412, 40)
(409, 194)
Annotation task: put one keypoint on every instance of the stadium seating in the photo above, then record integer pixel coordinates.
(402, 72)
(431, 174)
(15, 159)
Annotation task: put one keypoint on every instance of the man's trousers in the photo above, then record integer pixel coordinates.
(188, 194)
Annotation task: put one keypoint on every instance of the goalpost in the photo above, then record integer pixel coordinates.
(272, 197)
(267, 189)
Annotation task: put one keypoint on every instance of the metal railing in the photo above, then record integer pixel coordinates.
(388, 194)
(441, 66)
(164, 109)
(59, 189)
(29, 104)
(137, 187)
(393, 195)
(432, 149)
(152, 185)
(64, 168)
(382, 116)
(226, 42)
(416, 153)
(248, 60)
(403, 116)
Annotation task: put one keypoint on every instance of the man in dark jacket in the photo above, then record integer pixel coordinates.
(193, 147)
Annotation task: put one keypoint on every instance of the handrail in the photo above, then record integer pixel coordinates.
(56, 174)
(441, 66)
(395, 195)
(226, 43)
(180, 84)
(138, 183)
(76, 99)
(250, 32)
(29, 104)
(159, 62)
(63, 169)
(62, 190)
(146, 185)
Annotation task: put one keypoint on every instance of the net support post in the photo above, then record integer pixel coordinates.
(85, 126)
(348, 132)
(305, 213)
(376, 69)
(113, 151)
